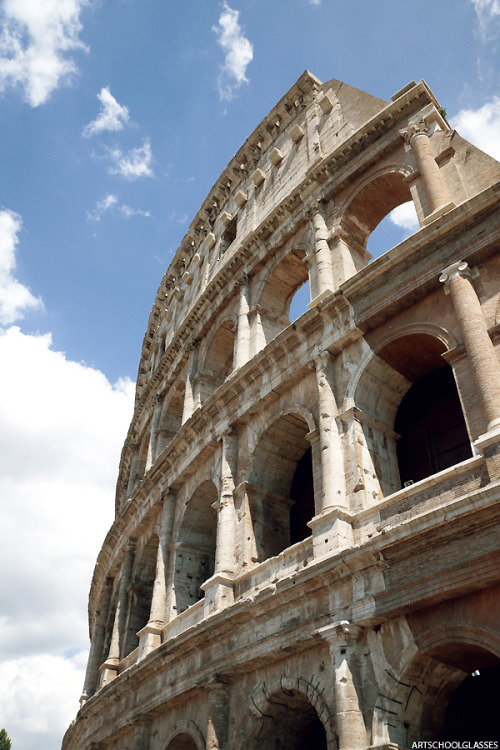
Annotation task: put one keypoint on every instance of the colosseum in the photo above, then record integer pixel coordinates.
(305, 551)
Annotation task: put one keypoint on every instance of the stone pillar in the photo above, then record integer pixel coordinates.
(331, 526)
(257, 336)
(342, 248)
(332, 462)
(219, 588)
(97, 643)
(480, 350)
(416, 135)
(324, 266)
(142, 733)
(342, 638)
(109, 669)
(134, 465)
(189, 395)
(242, 347)
(150, 635)
(153, 443)
(218, 715)
(169, 553)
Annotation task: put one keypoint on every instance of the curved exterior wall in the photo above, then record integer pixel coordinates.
(267, 581)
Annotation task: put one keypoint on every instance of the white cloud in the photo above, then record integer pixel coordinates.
(405, 216)
(314, 2)
(38, 702)
(37, 38)
(63, 425)
(238, 50)
(481, 126)
(488, 14)
(15, 298)
(110, 203)
(112, 117)
(134, 164)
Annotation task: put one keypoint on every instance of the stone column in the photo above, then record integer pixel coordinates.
(109, 669)
(332, 463)
(416, 135)
(257, 336)
(154, 427)
(170, 604)
(189, 395)
(142, 733)
(134, 465)
(218, 714)
(219, 588)
(324, 266)
(331, 526)
(342, 638)
(150, 635)
(342, 247)
(97, 643)
(242, 348)
(480, 350)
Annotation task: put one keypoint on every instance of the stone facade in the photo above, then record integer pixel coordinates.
(305, 552)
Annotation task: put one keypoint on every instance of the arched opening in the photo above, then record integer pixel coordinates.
(399, 224)
(384, 424)
(374, 201)
(290, 723)
(274, 307)
(141, 594)
(182, 742)
(472, 711)
(432, 427)
(302, 497)
(300, 301)
(218, 363)
(280, 490)
(195, 548)
(170, 419)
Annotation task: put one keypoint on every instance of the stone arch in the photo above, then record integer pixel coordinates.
(280, 490)
(440, 647)
(170, 417)
(185, 735)
(217, 358)
(291, 705)
(274, 294)
(141, 593)
(195, 546)
(372, 199)
(376, 392)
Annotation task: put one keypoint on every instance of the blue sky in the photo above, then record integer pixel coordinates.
(116, 117)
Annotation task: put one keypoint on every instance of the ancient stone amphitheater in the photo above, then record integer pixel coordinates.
(305, 553)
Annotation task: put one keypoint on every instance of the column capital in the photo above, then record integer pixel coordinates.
(244, 280)
(322, 359)
(192, 345)
(341, 634)
(168, 491)
(414, 128)
(460, 268)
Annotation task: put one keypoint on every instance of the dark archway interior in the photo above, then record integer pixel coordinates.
(314, 737)
(472, 714)
(302, 494)
(432, 427)
(182, 742)
(290, 722)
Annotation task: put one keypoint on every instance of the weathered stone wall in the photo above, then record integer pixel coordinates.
(268, 582)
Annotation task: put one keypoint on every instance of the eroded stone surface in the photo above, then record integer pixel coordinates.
(267, 582)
